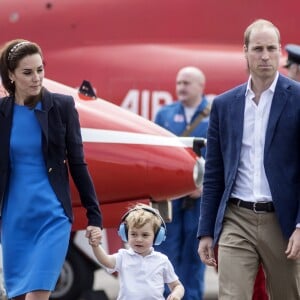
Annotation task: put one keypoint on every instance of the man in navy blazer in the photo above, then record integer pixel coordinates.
(251, 195)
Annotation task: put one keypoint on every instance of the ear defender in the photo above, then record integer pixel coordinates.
(123, 232)
(160, 235)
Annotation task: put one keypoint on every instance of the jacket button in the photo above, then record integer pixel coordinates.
(49, 170)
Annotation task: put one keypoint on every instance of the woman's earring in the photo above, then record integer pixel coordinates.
(12, 82)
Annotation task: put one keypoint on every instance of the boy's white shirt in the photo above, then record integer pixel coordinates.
(142, 277)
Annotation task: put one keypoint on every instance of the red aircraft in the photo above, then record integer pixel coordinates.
(130, 51)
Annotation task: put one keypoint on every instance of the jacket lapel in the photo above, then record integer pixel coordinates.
(42, 116)
(237, 115)
(278, 103)
(6, 106)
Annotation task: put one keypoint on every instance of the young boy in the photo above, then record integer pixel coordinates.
(142, 271)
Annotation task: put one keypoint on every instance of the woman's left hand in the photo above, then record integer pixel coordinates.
(94, 235)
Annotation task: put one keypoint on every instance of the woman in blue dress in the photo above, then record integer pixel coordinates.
(40, 142)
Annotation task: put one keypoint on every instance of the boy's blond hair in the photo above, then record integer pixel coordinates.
(142, 214)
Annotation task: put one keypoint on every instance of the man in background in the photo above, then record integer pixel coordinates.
(293, 61)
(186, 117)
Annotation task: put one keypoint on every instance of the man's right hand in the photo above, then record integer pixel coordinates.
(206, 251)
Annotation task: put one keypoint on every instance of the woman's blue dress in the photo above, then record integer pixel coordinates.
(35, 229)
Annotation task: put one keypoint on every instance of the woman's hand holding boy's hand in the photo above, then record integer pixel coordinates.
(94, 235)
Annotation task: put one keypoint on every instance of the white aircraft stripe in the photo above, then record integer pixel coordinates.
(91, 135)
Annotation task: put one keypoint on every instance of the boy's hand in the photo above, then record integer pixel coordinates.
(94, 235)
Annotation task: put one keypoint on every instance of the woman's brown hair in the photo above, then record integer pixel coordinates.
(10, 55)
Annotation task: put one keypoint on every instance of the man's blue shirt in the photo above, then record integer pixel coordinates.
(172, 118)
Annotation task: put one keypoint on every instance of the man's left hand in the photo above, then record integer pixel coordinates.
(293, 248)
